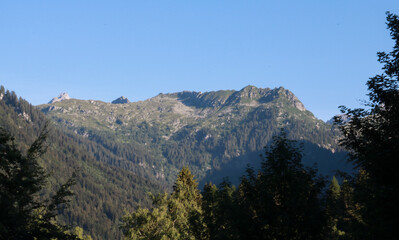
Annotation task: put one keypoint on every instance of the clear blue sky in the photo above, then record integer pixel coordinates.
(323, 51)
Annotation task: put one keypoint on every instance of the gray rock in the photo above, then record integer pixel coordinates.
(61, 97)
(121, 100)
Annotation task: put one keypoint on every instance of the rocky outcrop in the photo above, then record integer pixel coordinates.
(292, 98)
(61, 97)
(249, 95)
(121, 100)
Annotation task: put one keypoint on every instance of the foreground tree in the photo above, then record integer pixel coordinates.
(282, 200)
(178, 216)
(23, 215)
(221, 212)
(335, 211)
(372, 137)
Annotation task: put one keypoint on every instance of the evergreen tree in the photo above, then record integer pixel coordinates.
(372, 137)
(335, 210)
(221, 211)
(22, 214)
(210, 208)
(78, 231)
(185, 206)
(283, 199)
(178, 216)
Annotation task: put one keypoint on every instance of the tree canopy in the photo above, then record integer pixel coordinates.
(175, 216)
(372, 138)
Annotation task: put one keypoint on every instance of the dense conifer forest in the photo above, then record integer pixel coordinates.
(101, 193)
(58, 184)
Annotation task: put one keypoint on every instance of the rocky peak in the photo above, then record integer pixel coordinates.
(121, 100)
(253, 93)
(203, 100)
(291, 98)
(61, 97)
(249, 88)
(249, 95)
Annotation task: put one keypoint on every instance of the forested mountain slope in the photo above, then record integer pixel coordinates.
(216, 133)
(103, 191)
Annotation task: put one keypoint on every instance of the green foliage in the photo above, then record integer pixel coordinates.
(221, 211)
(281, 201)
(78, 231)
(335, 188)
(178, 216)
(23, 215)
(335, 210)
(102, 191)
(372, 137)
(283, 198)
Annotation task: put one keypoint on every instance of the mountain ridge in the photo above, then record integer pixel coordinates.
(205, 130)
(230, 97)
(126, 149)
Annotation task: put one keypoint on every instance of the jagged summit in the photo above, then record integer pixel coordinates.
(121, 100)
(61, 97)
(291, 98)
(249, 95)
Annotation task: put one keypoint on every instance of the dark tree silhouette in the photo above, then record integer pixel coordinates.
(23, 215)
(372, 137)
(283, 198)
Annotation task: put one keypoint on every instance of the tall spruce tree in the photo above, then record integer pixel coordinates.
(372, 137)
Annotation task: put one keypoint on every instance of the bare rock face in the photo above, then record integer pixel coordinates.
(294, 100)
(121, 100)
(288, 95)
(61, 97)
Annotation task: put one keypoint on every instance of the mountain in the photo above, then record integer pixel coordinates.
(103, 191)
(215, 133)
(124, 151)
(61, 97)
